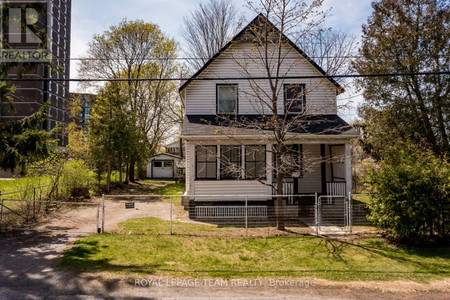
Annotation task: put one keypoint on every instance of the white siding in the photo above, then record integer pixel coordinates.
(232, 187)
(201, 95)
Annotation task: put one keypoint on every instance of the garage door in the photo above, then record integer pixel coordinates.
(163, 168)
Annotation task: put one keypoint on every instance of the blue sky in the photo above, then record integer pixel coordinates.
(91, 17)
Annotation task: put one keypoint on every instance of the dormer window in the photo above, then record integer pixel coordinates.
(294, 98)
(227, 99)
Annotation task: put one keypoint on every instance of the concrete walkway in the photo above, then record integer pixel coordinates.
(326, 228)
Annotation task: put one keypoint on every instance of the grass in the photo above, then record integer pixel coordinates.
(363, 199)
(8, 186)
(152, 182)
(170, 189)
(162, 188)
(152, 251)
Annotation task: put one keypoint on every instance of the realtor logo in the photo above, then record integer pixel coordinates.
(24, 31)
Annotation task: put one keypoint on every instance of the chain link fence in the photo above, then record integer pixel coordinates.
(245, 215)
(26, 209)
(239, 215)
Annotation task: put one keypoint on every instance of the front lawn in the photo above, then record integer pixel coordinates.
(17, 184)
(151, 251)
(360, 199)
(170, 189)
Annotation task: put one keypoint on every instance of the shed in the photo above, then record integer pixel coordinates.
(165, 166)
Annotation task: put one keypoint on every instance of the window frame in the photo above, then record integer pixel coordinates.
(158, 161)
(218, 85)
(255, 162)
(239, 163)
(170, 162)
(205, 162)
(290, 111)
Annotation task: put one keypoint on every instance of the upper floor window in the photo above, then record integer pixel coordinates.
(294, 97)
(227, 98)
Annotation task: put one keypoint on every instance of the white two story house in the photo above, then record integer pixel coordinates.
(322, 144)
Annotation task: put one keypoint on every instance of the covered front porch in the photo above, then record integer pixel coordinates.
(323, 169)
(325, 177)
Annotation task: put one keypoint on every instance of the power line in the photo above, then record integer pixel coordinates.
(233, 58)
(228, 78)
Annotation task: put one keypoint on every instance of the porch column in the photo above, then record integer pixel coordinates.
(190, 146)
(348, 167)
(218, 160)
(323, 169)
(269, 170)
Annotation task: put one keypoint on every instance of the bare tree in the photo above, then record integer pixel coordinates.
(208, 29)
(332, 50)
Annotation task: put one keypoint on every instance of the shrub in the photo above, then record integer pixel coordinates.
(76, 178)
(410, 195)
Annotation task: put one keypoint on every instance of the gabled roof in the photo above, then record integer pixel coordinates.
(166, 154)
(173, 145)
(261, 17)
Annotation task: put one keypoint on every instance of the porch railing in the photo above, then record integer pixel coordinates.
(217, 212)
(336, 188)
(288, 192)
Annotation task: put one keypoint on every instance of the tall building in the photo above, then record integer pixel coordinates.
(81, 105)
(31, 95)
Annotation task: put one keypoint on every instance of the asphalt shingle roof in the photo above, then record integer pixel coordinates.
(212, 125)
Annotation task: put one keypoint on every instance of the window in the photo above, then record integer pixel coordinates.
(157, 164)
(168, 164)
(230, 162)
(294, 97)
(206, 159)
(292, 162)
(255, 162)
(227, 99)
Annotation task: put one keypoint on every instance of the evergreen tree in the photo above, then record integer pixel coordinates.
(406, 36)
